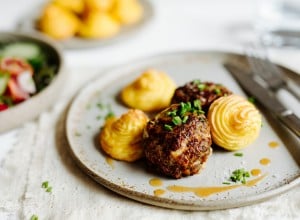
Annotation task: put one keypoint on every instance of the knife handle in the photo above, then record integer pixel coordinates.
(292, 122)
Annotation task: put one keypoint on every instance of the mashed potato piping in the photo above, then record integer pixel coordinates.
(234, 121)
(120, 137)
(151, 91)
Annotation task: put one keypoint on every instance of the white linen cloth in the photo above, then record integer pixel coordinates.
(38, 152)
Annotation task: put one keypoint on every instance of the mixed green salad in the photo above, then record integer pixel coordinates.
(25, 70)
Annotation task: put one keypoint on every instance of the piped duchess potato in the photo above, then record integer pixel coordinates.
(121, 137)
(235, 122)
(151, 91)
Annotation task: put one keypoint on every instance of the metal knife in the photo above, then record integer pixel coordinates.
(265, 98)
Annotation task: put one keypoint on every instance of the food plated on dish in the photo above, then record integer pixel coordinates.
(177, 141)
(88, 23)
(181, 159)
(30, 67)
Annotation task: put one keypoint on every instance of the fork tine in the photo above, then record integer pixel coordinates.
(253, 60)
(261, 65)
(271, 69)
(268, 73)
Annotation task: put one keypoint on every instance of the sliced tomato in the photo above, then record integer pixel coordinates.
(3, 107)
(16, 92)
(15, 66)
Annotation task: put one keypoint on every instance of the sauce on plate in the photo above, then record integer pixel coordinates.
(210, 190)
(265, 161)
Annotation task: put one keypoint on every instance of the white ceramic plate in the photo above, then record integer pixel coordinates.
(31, 108)
(27, 24)
(134, 181)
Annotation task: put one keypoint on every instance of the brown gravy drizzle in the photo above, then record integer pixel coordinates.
(207, 191)
(159, 192)
(273, 144)
(155, 182)
(265, 161)
(255, 172)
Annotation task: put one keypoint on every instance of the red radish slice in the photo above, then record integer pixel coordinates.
(3, 107)
(15, 66)
(16, 92)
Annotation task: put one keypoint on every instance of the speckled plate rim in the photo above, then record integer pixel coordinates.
(109, 76)
(31, 108)
(27, 24)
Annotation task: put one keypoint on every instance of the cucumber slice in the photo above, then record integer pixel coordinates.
(4, 77)
(21, 49)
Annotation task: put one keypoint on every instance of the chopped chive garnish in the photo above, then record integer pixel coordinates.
(109, 115)
(98, 117)
(201, 87)
(77, 134)
(197, 104)
(251, 99)
(105, 111)
(185, 118)
(179, 115)
(100, 106)
(238, 154)
(45, 184)
(201, 112)
(197, 81)
(189, 105)
(168, 127)
(226, 183)
(177, 120)
(217, 91)
(34, 217)
(239, 175)
(172, 113)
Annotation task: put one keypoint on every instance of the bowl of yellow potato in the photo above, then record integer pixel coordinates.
(76, 24)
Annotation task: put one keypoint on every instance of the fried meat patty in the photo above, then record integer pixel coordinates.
(206, 92)
(177, 142)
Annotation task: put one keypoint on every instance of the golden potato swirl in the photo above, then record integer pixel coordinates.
(151, 91)
(120, 137)
(234, 121)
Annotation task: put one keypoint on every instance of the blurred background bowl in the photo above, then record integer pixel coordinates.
(31, 108)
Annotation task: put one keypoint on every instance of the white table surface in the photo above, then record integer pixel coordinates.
(177, 25)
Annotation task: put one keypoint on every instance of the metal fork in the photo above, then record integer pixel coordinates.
(270, 74)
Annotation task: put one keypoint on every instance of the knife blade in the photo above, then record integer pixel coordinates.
(265, 98)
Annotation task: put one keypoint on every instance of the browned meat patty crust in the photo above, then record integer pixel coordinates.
(177, 141)
(206, 92)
